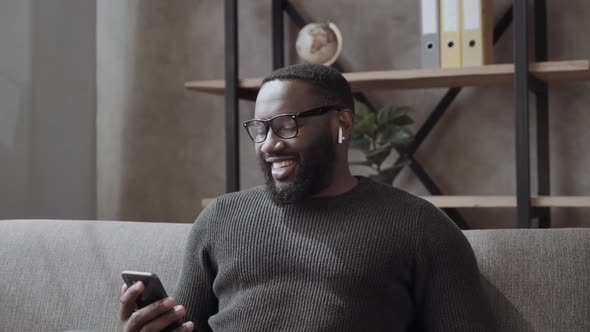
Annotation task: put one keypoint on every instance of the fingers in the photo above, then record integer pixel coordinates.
(124, 288)
(165, 319)
(156, 316)
(188, 326)
(128, 300)
(159, 308)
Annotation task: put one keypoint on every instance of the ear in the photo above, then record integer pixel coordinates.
(346, 121)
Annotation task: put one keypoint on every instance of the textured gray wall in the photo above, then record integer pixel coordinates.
(161, 149)
(15, 105)
(63, 171)
(150, 130)
(47, 109)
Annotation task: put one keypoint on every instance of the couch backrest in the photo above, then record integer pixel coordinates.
(537, 280)
(65, 275)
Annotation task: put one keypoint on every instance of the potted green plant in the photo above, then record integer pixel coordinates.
(377, 134)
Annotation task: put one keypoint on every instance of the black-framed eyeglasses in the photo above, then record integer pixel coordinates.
(284, 125)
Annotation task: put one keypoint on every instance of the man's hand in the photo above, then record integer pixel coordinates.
(154, 317)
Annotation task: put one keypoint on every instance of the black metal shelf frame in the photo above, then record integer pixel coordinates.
(523, 84)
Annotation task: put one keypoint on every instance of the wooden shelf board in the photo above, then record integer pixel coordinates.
(493, 201)
(551, 71)
(506, 201)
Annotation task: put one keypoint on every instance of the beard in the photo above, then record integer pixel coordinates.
(313, 174)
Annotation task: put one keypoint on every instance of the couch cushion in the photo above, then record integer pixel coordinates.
(66, 275)
(537, 280)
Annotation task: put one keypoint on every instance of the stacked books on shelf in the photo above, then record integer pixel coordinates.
(456, 33)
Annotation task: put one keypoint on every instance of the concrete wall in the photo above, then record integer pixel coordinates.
(47, 119)
(161, 149)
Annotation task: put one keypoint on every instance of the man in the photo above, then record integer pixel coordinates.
(317, 249)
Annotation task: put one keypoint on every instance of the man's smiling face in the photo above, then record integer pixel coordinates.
(298, 167)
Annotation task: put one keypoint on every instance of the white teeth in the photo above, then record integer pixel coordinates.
(281, 164)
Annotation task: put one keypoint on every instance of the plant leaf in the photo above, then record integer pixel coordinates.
(404, 120)
(389, 114)
(361, 163)
(386, 114)
(378, 156)
(365, 120)
(397, 136)
(361, 108)
(401, 164)
(360, 142)
(388, 134)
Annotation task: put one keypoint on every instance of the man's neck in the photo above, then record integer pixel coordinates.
(340, 183)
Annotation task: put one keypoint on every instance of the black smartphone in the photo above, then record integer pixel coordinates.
(153, 289)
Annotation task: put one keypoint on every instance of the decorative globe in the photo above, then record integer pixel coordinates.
(319, 43)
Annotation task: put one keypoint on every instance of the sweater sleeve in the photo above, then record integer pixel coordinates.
(448, 291)
(194, 289)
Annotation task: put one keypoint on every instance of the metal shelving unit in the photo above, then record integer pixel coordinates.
(526, 76)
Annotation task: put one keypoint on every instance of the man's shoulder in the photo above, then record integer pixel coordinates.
(234, 204)
(396, 197)
(415, 209)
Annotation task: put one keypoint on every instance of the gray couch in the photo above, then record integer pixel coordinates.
(65, 275)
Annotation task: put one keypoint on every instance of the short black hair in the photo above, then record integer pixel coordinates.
(328, 83)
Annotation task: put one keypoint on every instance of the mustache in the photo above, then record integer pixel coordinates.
(269, 158)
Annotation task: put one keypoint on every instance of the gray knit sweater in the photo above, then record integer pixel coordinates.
(372, 259)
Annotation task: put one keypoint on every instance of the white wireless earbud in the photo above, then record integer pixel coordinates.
(341, 138)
